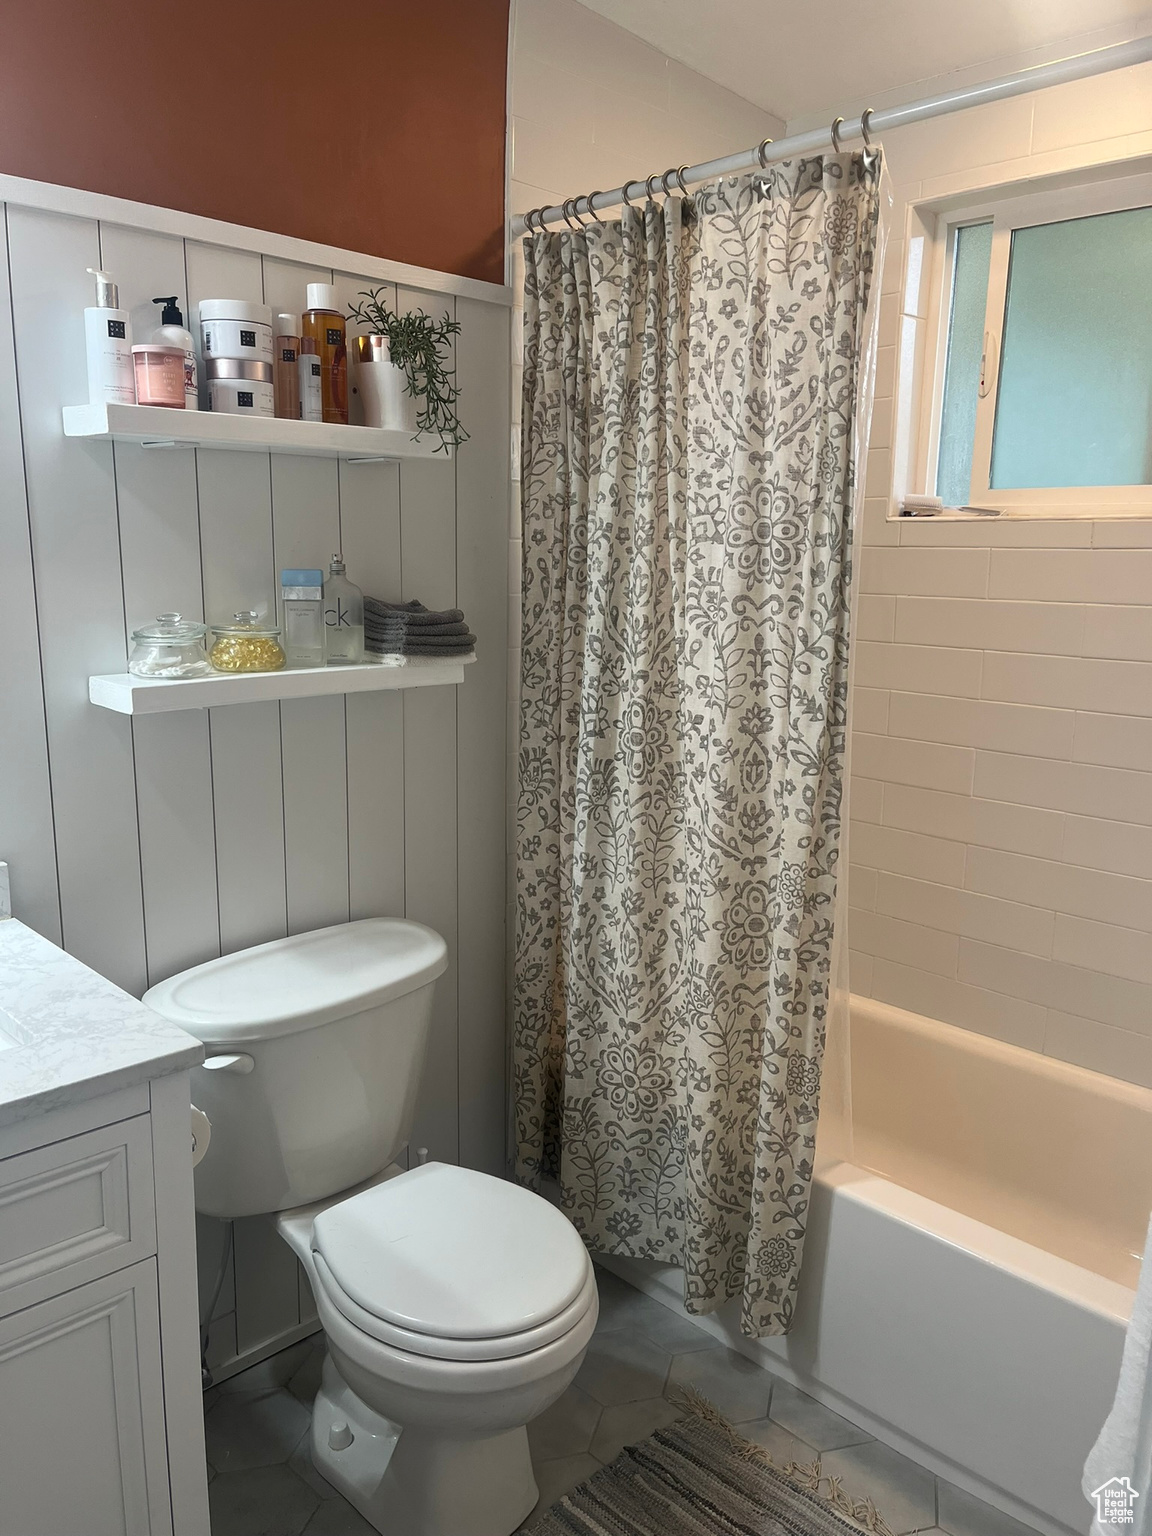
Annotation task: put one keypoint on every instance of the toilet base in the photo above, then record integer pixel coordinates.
(411, 1482)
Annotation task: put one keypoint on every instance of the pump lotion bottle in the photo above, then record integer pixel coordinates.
(108, 341)
(323, 324)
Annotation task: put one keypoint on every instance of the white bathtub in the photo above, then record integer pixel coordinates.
(969, 1274)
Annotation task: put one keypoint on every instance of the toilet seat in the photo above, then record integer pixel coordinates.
(453, 1264)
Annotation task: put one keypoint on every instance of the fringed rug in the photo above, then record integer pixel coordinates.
(699, 1477)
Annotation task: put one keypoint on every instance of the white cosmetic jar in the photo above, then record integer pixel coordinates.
(236, 328)
(240, 388)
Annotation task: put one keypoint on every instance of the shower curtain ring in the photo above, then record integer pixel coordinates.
(871, 149)
(760, 155)
(530, 218)
(680, 182)
(567, 208)
(648, 180)
(593, 216)
(628, 203)
(837, 147)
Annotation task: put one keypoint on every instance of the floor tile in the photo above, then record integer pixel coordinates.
(676, 1334)
(338, 1518)
(266, 1501)
(270, 1373)
(623, 1367)
(963, 1514)
(556, 1478)
(302, 1464)
(565, 1429)
(621, 1304)
(305, 1380)
(811, 1421)
(782, 1447)
(243, 1431)
(904, 1493)
(626, 1423)
(738, 1387)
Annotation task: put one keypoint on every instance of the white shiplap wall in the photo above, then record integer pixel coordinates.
(147, 845)
(1001, 805)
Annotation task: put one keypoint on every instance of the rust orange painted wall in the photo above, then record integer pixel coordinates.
(377, 125)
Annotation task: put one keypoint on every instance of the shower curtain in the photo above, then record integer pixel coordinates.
(690, 384)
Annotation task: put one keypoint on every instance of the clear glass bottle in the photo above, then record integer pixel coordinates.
(343, 617)
(302, 602)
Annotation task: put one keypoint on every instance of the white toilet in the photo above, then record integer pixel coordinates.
(456, 1306)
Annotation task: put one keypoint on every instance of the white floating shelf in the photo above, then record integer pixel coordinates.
(154, 426)
(129, 695)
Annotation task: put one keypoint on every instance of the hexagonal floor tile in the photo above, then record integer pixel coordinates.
(242, 1431)
(904, 1493)
(803, 1416)
(783, 1448)
(338, 1518)
(621, 1304)
(627, 1423)
(266, 1501)
(738, 1387)
(556, 1478)
(566, 1428)
(623, 1367)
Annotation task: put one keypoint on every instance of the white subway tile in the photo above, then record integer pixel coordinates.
(1116, 845)
(880, 427)
(860, 974)
(861, 887)
(968, 913)
(938, 997)
(876, 617)
(1069, 682)
(1102, 947)
(982, 723)
(927, 763)
(1100, 107)
(865, 798)
(1080, 787)
(1050, 628)
(869, 710)
(1123, 533)
(927, 572)
(1090, 994)
(991, 823)
(1062, 887)
(885, 372)
(1072, 576)
(1114, 741)
(875, 529)
(1099, 1047)
(990, 133)
(888, 938)
(908, 853)
(595, 49)
(918, 668)
(987, 533)
(1119, 632)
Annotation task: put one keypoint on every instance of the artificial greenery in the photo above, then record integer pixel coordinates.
(423, 349)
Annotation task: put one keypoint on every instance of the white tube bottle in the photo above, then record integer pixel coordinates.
(108, 340)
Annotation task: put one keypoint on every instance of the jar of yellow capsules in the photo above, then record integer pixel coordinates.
(246, 645)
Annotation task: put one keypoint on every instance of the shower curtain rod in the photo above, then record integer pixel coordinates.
(1098, 62)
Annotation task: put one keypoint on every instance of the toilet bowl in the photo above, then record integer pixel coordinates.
(456, 1306)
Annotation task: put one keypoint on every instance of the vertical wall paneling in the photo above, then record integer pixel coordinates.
(79, 596)
(160, 562)
(428, 551)
(182, 835)
(27, 840)
(482, 471)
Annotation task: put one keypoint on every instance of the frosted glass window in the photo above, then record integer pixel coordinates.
(1074, 405)
(971, 255)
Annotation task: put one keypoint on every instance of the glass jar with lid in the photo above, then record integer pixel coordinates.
(171, 646)
(246, 645)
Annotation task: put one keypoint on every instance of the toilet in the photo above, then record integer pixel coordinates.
(456, 1306)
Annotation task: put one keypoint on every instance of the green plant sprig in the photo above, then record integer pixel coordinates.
(423, 348)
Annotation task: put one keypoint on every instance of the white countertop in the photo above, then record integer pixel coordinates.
(68, 1034)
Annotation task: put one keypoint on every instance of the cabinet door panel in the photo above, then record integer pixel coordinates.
(82, 1448)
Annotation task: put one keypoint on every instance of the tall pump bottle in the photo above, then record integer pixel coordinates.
(108, 341)
(323, 324)
(172, 332)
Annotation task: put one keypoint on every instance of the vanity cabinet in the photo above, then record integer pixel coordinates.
(101, 1429)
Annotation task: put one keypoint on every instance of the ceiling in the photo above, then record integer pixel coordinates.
(800, 57)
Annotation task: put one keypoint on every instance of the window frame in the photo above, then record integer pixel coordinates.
(1018, 210)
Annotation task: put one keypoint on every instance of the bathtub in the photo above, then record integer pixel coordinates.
(970, 1272)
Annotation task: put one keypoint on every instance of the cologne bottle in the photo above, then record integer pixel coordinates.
(343, 617)
(302, 601)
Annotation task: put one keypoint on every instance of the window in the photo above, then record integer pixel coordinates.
(1040, 401)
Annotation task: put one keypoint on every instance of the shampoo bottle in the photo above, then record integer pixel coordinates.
(108, 339)
(171, 332)
(324, 324)
(308, 373)
(343, 617)
(285, 366)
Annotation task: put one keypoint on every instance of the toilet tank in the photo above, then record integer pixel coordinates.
(315, 1048)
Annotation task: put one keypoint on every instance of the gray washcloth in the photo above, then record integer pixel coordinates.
(411, 615)
(385, 629)
(444, 645)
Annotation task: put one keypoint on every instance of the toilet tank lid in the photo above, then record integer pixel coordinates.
(300, 982)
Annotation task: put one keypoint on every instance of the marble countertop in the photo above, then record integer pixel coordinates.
(68, 1034)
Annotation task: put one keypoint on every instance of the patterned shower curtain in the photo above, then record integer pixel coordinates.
(690, 385)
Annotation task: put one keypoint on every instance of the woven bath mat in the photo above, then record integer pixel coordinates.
(699, 1477)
